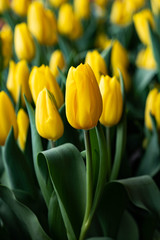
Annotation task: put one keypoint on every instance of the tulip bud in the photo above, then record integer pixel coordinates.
(68, 23)
(23, 42)
(56, 60)
(23, 124)
(112, 101)
(6, 37)
(42, 77)
(20, 7)
(82, 8)
(151, 107)
(42, 23)
(57, 3)
(155, 4)
(83, 98)
(17, 80)
(141, 21)
(4, 5)
(97, 63)
(145, 59)
(8, 117)
(48, 121)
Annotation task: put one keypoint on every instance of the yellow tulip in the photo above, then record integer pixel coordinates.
(102, 41)
(83, 98)
(145, 59)
(141, 21)
(23, 124)
(4, 5)
(112, 101)
(23, 42)
(101, 3)
(8, 117)
(82, 8)
(56, 60)
(155, 4)
(20, 7)
(42, 77)
(97, 63)
(57, 3)
(68, 22)
(6, 37)
(42, 23)
(17, 80)
(48, 121)
(150, 107)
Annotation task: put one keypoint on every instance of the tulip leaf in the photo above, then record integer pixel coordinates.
(28, 226)
(45, 184)
(67, 172)
(65, 47)
(16, 166)
(106, 55)
(100, 238)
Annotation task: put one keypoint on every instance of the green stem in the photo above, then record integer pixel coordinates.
(89, 188)
(108, 150)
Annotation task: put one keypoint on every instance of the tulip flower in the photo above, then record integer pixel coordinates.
(68, 23)
(42, 23)
(155, 4)
(82, 8)
(4, 5)
(17, 80)
(145, 59)
(23, 42)
(8, 117)
(97, 63)
(6, 37)
(151, 107)
(20, 7)
(23, 124)
(42, 77)
(141, 21)
(56, 60)
(112, 101)
(57, 3)
(48, 121)
(101, 3)
(83, 98)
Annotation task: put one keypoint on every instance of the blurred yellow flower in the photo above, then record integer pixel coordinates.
(20, 7)
(56, 60)
(4, 5)
(145, 59)
(155, 4)
(83, 98)
(82, 8)
(8, 117)
(6, 41)
(23, 125)
(48, 121)
(57, 3)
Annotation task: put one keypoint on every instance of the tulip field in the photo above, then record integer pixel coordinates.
(79, 119)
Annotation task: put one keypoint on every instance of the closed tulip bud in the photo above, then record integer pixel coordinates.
(145, 59)
(8, 117)
(20, 7)
(56, 61)
(23, 42)
(17, 80)
(6, 37)
(83, 98)
(112, 101)
(4, 5)
(42, 23)
(150, 107)
(68, 23)
(155, 4)
(42, 77)
(48, 121)
(82, 8)
(23, 125)
(57, 3)
(141, 21)
(97, 63)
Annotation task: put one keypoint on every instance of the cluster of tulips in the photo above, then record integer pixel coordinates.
(80, 119)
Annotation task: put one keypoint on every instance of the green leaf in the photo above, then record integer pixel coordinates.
(111, 208)
(106, 54)
(17, 168)
(45, 184)
(67, 172)
(28, 223)
(100, 238)
(155, 41)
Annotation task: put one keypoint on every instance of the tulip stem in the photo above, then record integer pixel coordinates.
(86, 223)
(108, 150)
